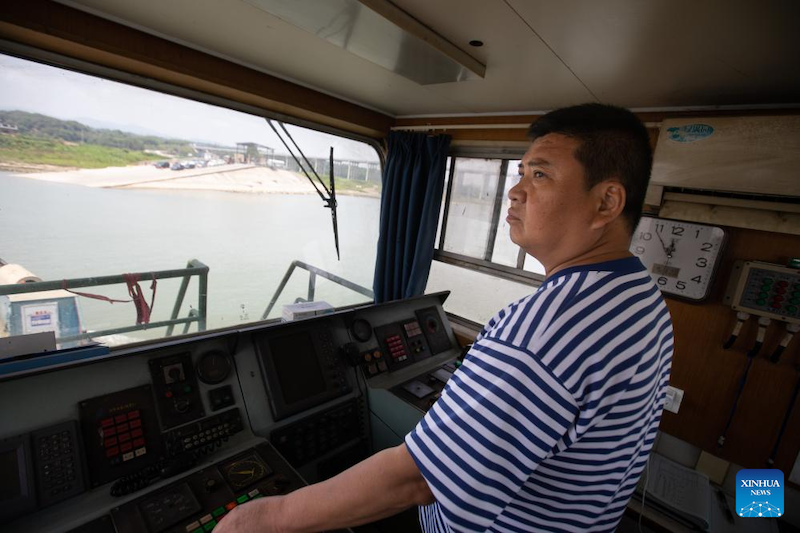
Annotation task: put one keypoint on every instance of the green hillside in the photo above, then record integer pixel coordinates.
(39, 151)
(50, 141)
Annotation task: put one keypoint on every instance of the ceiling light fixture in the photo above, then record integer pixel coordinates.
(380, 32)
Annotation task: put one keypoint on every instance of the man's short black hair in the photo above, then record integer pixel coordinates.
(614, 143)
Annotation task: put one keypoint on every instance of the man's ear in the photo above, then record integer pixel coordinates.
(611, 199)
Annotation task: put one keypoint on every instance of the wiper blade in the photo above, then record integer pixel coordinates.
(329, 196)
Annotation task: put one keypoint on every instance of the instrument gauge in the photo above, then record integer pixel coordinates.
(245, 471)
(361, 329)
(214, 367)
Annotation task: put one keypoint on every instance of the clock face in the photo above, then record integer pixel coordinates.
(680, 256)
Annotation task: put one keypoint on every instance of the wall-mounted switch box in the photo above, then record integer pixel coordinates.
(674, 399)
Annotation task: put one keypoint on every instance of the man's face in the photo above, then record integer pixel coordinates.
(551, 209)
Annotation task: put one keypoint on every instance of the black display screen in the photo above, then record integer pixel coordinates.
(9, 474)
(296, 362)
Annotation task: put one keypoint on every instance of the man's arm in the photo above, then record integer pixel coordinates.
(380, 486)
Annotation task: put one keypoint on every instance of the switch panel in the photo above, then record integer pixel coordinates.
(764, 289)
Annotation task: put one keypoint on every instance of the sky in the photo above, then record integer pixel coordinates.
(96, 102)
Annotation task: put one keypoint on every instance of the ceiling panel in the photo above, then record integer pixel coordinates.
(539, 54)
(678, 53)
(238, 31)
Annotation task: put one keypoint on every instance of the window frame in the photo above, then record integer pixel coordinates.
(56, 60)
(484, 265)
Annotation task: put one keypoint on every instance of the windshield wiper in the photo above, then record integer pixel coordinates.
(329, 196)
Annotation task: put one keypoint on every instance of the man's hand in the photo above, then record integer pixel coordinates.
(380, 486)
(251, 516)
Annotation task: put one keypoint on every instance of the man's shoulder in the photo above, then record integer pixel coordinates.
(571, 301)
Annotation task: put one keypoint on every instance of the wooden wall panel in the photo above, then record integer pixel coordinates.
(709, 375)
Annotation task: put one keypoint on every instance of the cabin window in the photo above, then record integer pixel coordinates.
(475, 259)
(99, 179)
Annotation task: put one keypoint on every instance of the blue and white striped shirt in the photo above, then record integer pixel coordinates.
(548, 423)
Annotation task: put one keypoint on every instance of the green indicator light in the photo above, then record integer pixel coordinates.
(767, 281)
(791, 309)
(762, 302)
(219, 511)
(795, 301)
(187, 389)
(243, 498)
(209, 526)
(763, 295)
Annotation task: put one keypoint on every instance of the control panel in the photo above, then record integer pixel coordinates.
(176, 389)
(119, 434)
(195, 503)
(40, 468)
(769, 290)
(301, 366)
(317, 435)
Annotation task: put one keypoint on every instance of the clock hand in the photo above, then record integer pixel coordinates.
(663, 246)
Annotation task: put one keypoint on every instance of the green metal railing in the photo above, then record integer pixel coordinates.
(193, 268)
(313, 272)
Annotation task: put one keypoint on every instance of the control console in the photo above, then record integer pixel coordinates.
(195, 503)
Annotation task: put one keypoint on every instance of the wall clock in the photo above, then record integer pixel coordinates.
(682, 257)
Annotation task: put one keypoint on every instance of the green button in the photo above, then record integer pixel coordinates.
(762, 302)
(763, 295)
(794, 301)
(792, 309)
(187, 389)
(243, 498)
(210, 525)
(768, 281)
(796, 294)
(219, 511)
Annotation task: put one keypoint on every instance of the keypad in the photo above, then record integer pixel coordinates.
(58, 466)
(123, 437)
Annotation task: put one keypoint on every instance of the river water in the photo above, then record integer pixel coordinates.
(60, 231)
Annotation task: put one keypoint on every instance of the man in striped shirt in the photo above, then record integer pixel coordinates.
(548, 423)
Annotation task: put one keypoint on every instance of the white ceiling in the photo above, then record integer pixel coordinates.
(539, 54)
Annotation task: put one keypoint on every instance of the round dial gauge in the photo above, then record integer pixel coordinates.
(682, 257)
(362, 330)
(245, 471)
(214, 367)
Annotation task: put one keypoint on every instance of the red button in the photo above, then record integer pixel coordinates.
(110, 442)
(778, 298)
(782, 283)
(230, 506)
(124, 437)
(119, 419)
(168, 394)
(107, 422)
(110, 432)
(133, 414)
(126, 447)
(135, 423)
(111, 452)
(136, 433)
(138, 443)
(122, 427)
(779, 290)
(776, 305)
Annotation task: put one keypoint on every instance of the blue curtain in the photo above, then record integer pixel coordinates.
(413, 182)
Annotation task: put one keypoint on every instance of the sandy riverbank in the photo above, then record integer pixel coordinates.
(228, 178)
